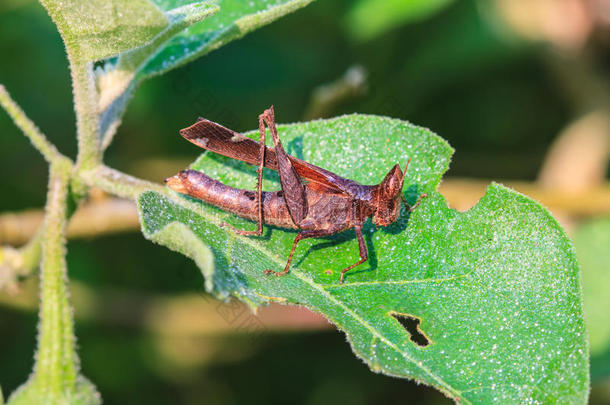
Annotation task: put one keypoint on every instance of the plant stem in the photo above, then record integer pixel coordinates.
(56, 365)
(93, 218)
(87, 116)
(16, 263)
(40, 142)
(85, 94)
(118, 183)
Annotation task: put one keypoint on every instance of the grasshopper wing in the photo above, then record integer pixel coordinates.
(214, 137)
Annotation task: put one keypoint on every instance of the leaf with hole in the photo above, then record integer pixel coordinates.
(484, 305)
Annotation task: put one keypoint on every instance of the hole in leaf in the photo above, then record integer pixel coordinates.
(250, 195)
(411, 325)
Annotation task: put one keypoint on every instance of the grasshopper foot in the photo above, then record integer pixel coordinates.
(276, 273)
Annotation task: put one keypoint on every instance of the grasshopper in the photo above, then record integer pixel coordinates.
(312, 200)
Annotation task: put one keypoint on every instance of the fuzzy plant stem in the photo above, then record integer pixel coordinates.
(56, 379)
(56, 365)
(29, 129)
(84, 90)
(87, 116)
(87, 123)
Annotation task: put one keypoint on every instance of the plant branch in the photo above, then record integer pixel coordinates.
(84, 90)
(171, 315)
(87, 116)
(16, 263)
(55, 368)
(93, 218)
(56, 376)
(29, 129)
(118, 183)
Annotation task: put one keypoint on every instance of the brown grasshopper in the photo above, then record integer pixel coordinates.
(324, 205)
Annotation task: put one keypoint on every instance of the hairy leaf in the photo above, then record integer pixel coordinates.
(235, 19)
(119, 78)
(186, 38)
(96, 29)
(484, 305)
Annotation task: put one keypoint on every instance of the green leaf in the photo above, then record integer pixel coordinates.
(592, 240)
(179, 18)
(495, 289)
(370, 18)
(186, 38)
(96, 29)
(118, 80)
(235, 19)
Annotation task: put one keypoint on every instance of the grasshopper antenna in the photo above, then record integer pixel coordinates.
(402, 196)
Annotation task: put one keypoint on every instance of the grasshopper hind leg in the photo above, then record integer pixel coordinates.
(259, 195)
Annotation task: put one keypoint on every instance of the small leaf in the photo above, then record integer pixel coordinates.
(493, 293)
(97, 29)
(235, 19)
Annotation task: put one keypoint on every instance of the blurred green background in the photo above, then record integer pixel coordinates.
(497, 84)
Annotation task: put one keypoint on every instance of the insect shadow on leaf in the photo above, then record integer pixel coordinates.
(337, 239)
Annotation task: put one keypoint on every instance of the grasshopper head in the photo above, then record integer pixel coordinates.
(387, 197)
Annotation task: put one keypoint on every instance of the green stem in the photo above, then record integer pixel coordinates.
(84, 89)
(56, 365)
(56, 378)
(40, 142)
(87, 116)
(118, 183)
